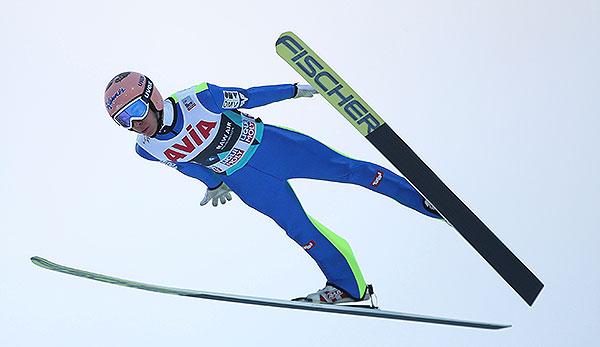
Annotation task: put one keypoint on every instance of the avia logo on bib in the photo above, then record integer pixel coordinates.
(190, 141)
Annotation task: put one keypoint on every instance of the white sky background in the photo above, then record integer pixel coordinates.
(500, 98)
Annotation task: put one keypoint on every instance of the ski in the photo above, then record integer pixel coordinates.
(344, 99)
(249, 300)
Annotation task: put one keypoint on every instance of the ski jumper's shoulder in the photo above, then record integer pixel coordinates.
(201, 92)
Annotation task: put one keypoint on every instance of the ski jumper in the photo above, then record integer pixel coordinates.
(206, 137)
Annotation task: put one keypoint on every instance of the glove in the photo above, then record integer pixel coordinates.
(304, 91)
(219, 193)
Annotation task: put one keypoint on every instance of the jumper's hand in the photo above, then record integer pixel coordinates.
(220, 193)
(304, 91)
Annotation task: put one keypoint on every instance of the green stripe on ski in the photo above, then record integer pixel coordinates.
(333, 88)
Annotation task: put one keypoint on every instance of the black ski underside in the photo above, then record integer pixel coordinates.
(514, 272)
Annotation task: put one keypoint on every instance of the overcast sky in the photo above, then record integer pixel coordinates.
(500, 98)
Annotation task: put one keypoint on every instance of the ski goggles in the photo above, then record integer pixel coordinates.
(136, 109)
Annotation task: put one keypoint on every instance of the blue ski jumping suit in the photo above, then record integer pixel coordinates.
(206, 137)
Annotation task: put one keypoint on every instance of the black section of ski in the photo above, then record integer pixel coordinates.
(514, 272)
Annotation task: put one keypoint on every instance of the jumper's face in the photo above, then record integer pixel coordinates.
(129, 99)
(147, 126)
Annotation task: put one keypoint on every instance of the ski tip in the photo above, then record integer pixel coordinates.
(287, 33)
(488, 326)
(39, 261)
(502, 326)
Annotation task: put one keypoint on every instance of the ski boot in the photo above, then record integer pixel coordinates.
(335, 296)
(429, 207)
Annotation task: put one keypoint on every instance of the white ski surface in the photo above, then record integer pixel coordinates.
(356, 311)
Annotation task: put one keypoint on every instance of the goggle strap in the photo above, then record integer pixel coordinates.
(148, 89)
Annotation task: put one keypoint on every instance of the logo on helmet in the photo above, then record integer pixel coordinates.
(114, 97)
(148, 90)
